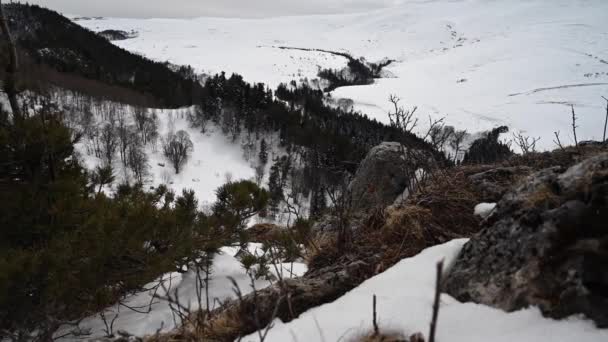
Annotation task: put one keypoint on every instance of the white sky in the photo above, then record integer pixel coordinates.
(196, 8)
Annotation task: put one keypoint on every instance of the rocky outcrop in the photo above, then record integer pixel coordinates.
(384, 174)
(494, 183)
(546, 244)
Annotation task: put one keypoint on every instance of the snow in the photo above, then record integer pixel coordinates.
(484, 209)
(214, 160)
(478, 63)
(225, 265)
(404, 299)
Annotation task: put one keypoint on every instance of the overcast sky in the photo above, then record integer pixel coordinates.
(196, 8)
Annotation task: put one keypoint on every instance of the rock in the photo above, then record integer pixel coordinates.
(381, 180)
(384, 174)
(546, 245)
(493, 184)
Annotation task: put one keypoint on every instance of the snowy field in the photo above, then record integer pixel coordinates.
(479, 63)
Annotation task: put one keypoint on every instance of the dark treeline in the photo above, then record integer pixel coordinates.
(301, 117)
(51, 40)
(324, 143)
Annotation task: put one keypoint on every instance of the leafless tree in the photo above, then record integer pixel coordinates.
(124, 136)
(574, 126)
(456, 142)
(606, 121)
(109, 143)
(342, 207)
(177, 148)
(401, 118)
(138, 162)
(438, 133)
(557, 140)
(525, 143)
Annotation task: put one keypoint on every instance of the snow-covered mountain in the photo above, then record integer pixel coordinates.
(479, 63)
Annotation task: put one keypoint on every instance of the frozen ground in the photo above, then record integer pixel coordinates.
(404, 300)
(479, 63)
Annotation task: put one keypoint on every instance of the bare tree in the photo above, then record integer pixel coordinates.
(401, 118)
(606, 121)
(438, 133)
(574, 126)
(109, 143)
(138, 162)
(557, 140)
(342, 208)
(456, 142)
(177, 148)
(525, 143)
(10, 81)
(124, 136)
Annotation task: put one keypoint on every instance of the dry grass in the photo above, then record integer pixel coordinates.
(544, 196)
(436, 213)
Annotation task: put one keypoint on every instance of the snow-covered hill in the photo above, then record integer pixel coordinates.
(479, 63)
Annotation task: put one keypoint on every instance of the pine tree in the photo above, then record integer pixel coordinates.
(263, 154)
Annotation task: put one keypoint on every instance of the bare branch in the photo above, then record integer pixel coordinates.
(437, 302)
(557, 141)
(375, 318)
(574, 126)
(606, 121)
(401, 118)
(525, 143)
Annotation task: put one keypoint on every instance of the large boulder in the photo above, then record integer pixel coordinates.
(546, 244)
(384, 174)
(383, 177)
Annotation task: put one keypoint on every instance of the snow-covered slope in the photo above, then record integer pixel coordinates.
(139, 322)
(479, 63)
(215, 159)
(404, 301)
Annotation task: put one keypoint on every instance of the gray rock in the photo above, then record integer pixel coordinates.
(384, 174)
(494, 183)
(383, 178)
(545, 245)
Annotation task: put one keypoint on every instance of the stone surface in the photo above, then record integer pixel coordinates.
(546, 245)
(384, 174)
(494, 183)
